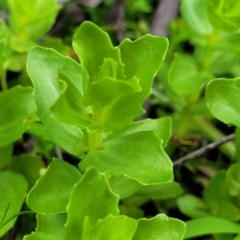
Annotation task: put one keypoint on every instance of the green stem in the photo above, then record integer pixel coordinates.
(14, 216)
(183, 123)
(4, 80)
(214, 134)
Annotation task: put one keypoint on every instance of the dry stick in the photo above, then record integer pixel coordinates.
(165, 12)
(204, 149)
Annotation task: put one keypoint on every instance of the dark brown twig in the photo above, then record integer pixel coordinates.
(204, 149)
(165, 12)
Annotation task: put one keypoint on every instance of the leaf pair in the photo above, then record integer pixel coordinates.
(88, 109)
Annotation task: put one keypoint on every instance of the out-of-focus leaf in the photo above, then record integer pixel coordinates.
(222, 96)
(51, 192)
(209, 225)
(13, 189)
(5, 156)
(196, 19)
(217, 199)
(57, 44)
(91, 199)
(233, 179)
(31, 19)
(131, 211)
(29, 166)
(138, 156)
(3, 43)
(192, 206)
(16, 113)
(224, 13)
(184, 77)
(160, 227)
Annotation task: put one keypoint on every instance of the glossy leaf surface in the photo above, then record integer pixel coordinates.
(91, 199)
(138, 156)
(13, 189)
(52, 196)
(84, 44)
(139, 56)
(16, 113)
(222, 98)
(162, 127)
(39, 236)
(160, 191)
(122, 185)
(114, 228)
(44, 66)
(51, 224)
(160, 227)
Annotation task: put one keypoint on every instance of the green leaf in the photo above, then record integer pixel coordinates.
(196, 19)
(138, 156)
(31, 19)
(57, 44)
(114, 228)
(16, 113)
(39, 236)
(233, 180)
(222, 97)
(225, 13)
(122, 185)
(223, 61)
(3, 43)
(160, 191)
(192, 206)
(92, 55)
(44, 66)
(159, 227)
(226, 43)
(162, 127)
(29, 166)
(5, 156)
(209, 225)
(52, 224)
(217, 199)
(13, 189)
(112, 108)
(51, 192)
(184, 77)
(91, 199)
(142, 59)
